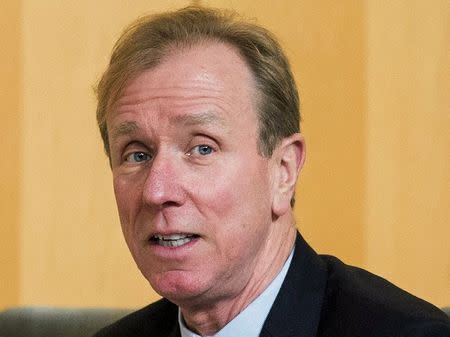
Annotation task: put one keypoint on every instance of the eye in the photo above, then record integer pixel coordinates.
(202, 150)
(137, 157)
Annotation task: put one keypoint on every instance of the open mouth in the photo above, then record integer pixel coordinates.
(174, 240)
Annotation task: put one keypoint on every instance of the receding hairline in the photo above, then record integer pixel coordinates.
(178, 47)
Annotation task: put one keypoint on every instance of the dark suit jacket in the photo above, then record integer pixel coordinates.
(320, 296)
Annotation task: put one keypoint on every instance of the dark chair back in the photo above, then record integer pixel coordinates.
(56, 322)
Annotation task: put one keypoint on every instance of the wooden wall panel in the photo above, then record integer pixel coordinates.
(10, 154)
(408, 154)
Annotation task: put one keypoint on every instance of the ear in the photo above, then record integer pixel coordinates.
(288, 157)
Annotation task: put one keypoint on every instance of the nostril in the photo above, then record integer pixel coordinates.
(170, 204)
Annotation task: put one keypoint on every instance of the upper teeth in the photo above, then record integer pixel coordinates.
(174, 240)
(173, 236)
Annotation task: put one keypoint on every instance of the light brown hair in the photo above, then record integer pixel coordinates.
(144, 44)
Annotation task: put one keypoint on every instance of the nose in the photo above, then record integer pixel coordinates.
(163, 184)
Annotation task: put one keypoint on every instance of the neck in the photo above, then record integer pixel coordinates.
(209, 319)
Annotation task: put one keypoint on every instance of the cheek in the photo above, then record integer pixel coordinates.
(127, 200)
(237, 202)
(245, 188)
(121, 195)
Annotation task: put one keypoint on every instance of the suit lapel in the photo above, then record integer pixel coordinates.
(175, 331)
(296, 310)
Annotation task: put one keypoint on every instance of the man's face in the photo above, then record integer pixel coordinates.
(193, 194)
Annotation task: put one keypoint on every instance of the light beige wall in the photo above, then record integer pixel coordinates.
(10, 138)
(375, 115)
(408, 152)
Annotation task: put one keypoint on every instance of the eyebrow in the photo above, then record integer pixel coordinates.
(130, 127)
(123, 129)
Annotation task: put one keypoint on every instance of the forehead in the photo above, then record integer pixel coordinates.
(206, 72)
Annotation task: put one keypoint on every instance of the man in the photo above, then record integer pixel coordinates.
(199, 115)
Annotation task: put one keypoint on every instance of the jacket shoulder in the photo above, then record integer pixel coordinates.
(157, 319)
(359, 303)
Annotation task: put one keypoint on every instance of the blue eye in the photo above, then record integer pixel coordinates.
(137, 157)
(203, 150)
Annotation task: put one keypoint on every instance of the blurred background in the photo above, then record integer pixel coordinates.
(374, 83)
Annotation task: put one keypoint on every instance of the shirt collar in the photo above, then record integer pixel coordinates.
(248, 322)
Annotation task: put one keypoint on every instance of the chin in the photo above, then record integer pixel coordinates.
(177, 287)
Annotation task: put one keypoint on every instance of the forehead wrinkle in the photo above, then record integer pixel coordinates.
(135, 96)
(203, 118)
